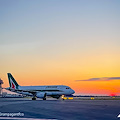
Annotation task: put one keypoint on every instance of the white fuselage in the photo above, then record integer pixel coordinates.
(49, 90)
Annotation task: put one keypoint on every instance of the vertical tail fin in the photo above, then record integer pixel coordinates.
(12, 82)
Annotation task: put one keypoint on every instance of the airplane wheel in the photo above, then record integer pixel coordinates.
(33, 98)
(44, 98)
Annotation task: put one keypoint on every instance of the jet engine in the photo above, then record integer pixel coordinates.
(41, 95)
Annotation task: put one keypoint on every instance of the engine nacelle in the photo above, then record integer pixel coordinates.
(41, 95)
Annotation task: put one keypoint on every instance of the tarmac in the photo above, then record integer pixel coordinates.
(59, 109)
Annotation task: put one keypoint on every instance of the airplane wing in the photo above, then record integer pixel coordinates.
(18, 91)
(32, 92)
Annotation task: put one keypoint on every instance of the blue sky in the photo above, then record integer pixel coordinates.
(25, 21)
(82, 25)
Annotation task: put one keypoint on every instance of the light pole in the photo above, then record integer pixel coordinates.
(1, 82)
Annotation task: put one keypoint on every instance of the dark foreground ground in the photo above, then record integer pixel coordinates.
(62, 110)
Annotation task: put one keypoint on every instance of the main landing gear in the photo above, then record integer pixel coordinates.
(41, 95)
(33, 98)
(44, 98)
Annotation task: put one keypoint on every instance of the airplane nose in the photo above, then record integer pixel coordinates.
(73, 91)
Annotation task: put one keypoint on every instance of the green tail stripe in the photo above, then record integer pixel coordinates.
(10, 76)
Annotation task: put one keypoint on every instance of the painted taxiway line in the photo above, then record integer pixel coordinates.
(13, 118)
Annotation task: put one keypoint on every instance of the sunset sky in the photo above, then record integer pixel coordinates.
(62, 42)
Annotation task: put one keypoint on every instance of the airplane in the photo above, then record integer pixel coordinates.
(55, 91)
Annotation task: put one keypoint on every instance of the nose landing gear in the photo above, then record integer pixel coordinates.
(63, 97)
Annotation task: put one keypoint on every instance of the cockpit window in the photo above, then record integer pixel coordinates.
(67, 88)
